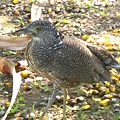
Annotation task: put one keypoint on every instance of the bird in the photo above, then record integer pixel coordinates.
(65, 60)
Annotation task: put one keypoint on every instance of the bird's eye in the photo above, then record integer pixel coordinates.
(38, 28)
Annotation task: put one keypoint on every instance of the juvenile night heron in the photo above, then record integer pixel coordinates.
(65, 60)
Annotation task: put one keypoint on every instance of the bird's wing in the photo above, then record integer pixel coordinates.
(105, 57)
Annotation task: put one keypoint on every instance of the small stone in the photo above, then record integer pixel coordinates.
(68, 9)
(77, 25)
(116, 110)
(98, 3)
(97, 14)
(2, 113)
(117, 105)
(10, 5)
(59, 99)
(76, 10)
(42, 104)
(84, 103)
(57, 9)
(17, 114)
(76, 108)
(80, 99)
(95, 92)
(39, 78)
(44, 11)
(82, 10)
(77, 33)
(29, 80)
(32, 114)
(72, 102)
(2, 6)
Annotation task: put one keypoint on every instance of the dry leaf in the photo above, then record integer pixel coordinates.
(7, 66)
(11, 43)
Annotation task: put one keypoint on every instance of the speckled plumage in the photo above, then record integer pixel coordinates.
(70, 64)
(67, 61)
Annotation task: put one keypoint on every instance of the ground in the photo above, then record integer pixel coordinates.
(94, 22)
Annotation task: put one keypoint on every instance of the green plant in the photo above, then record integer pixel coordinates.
(9, 53)
(45, 88)
(2, 108)
(17, 105)
(117, 117)
(82, 114)
(79, 91)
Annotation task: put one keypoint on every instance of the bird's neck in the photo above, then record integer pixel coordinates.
(49, 37)
(51, 40)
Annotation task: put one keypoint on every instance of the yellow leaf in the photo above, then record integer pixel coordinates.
(7, 104)
(90, 91)
(112, 88)
(24, 73)
(110, 48)
(105, 36)
(15, 11)
(107, 91)
(107, 43)
(84, 37)
(113, 73)
(118, 82)
(8, 84)
(117, 14)
(104, 102)
(15, 1)
(25, 87)
(90, 39)
(86, 107)
(107, 84)
(30, 20)
(97, 99)
(118, 47)
(118, 59)
(18, 118)
(49, 10)
(36, 85)
(113, 77)
(97, 85)
(68, 97)
(116, 31)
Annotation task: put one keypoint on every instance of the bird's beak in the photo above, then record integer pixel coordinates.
(20, 31)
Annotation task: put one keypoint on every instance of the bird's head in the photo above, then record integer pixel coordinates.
(34, 28)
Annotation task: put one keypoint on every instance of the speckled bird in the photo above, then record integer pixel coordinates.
(65, 60)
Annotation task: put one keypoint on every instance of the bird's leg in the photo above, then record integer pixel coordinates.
(64, 103)
(50, 102)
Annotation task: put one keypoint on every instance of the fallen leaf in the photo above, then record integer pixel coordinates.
(104, 102)
(7, 66)
(15, 1)
(11, 43)
(86, 107)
